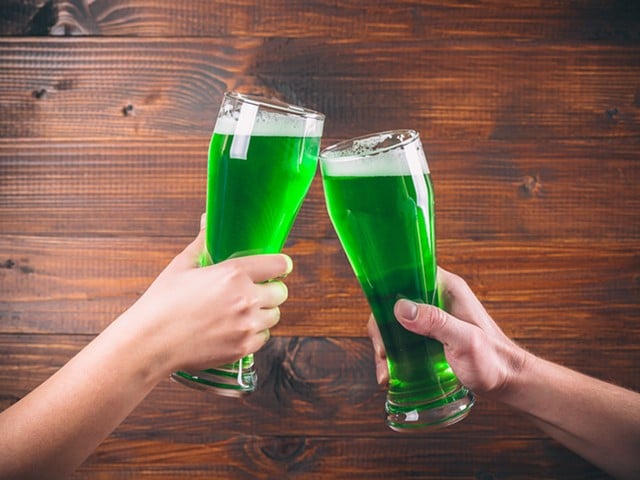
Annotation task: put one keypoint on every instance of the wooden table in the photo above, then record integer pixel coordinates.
(531, 119)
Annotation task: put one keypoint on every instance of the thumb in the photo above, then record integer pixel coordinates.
(191, 256)
(431, 321)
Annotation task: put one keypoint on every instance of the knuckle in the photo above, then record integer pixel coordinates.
(233, 273)
(475, 343)
(253, 325)
(248, 346)
(455, 283)
(451, 289)
(243, 304)
(240, 304)
(434, 318)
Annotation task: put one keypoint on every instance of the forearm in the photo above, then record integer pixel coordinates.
(56, 427)
(597, 420)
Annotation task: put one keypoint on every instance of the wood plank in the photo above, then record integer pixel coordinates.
(596, 21)
(113, 88)
(84, 93)
(317, 411)
(554, 289)
(446, 455)
(308, 386)
(530, 116)
(485, 190)
(27, 17)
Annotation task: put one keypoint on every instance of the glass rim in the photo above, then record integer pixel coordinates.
(411, 136)
(274, 104)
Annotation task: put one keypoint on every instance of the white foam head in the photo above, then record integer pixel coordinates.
(268, 124)
(383, 154)
(248, 115)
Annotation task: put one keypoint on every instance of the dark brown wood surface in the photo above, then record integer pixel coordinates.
(530, 115)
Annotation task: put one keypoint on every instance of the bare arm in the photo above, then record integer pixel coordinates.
(53, 429)
(597, 420)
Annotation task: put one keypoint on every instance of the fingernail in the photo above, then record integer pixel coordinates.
(289, 264)
(285, 291)
(407, 309)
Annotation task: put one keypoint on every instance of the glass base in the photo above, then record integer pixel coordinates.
(227, 380)
(437, 413)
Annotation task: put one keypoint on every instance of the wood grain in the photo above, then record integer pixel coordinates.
(58, 285)
(249, 457)
(315, 385)
(530, 115)
(485, 190)
(171, 88)
(593, 21)
(322, 393)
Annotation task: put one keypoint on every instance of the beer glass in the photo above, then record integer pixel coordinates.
(263, 156)
(380, 200)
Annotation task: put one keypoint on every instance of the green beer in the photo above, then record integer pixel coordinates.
(262, 159)
(262, 193)
(380, 199)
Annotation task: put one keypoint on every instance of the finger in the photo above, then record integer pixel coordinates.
(431, 321)
(376, 338)
(382, 371)
(458, 299)
(271, 317)
(262, 268)
(380, 354)
(191, 255)
(272, 294)
(455, 293)
(258, 341)
(266, 335)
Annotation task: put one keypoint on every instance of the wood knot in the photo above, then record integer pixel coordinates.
(9, 264)
(530, 186)
(284, 449)
(39, 94)
(612, 113)
(128, 110)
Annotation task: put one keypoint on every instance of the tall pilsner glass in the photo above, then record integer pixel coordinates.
(379, 196)
(262, 158)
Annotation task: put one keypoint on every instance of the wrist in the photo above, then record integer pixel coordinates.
(526, 382)
(518, 365)
(134, 344)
